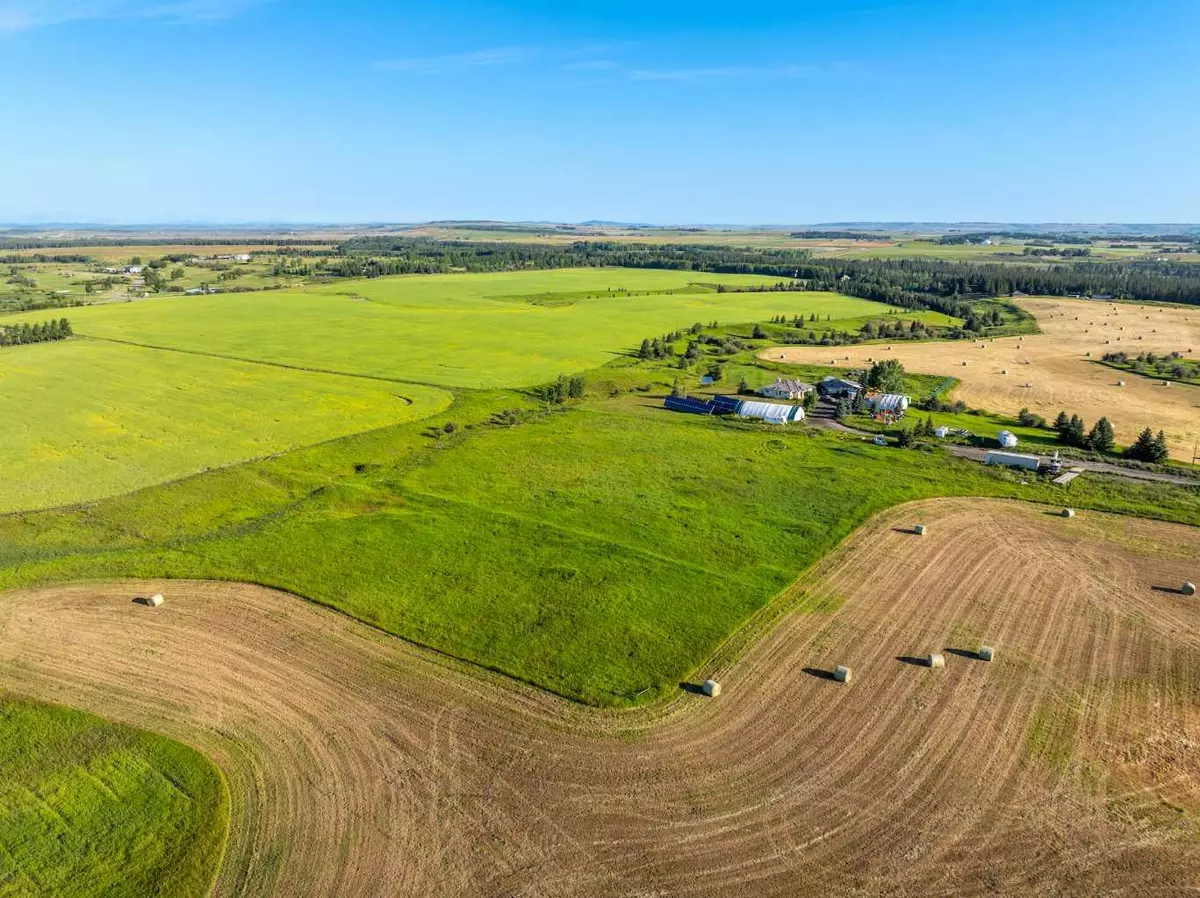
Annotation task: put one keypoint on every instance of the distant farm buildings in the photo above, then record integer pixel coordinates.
(771, 412)
(786, 388)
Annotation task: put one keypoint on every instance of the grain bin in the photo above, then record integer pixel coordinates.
(936, 660)
(842, 673)
(1188, 588)
(919, 530)
(987, 653)
(712, 688)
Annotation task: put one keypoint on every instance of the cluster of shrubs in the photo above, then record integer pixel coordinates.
(1172, 365)
(44, 332)
(564, 388)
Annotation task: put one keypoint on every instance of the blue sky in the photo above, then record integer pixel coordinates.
(658, 111)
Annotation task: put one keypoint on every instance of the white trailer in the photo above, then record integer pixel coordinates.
(1013, 460)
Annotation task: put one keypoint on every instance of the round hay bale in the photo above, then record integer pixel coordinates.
(987, 653)
(936, 660)
(1188, 588)
(1120, 383)
(1068, 512)
(155, 600)
(1005, 371)
(842, 673)
(919, 530)
(712, 688)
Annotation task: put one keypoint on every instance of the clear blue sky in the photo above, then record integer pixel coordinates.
(656, 110)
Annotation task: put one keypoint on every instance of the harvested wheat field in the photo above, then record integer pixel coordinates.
(360, 765)
(1051, 372)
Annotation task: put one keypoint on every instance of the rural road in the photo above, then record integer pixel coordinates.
(360, 765)
(822, 416)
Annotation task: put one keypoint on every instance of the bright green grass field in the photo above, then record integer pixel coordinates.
(468, 330)
(92, 808)
(83, 419)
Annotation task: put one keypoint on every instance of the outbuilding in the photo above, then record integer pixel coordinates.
(894, 403)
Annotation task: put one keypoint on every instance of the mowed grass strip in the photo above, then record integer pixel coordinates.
(469, 330)
(85, 419)
(89, 807)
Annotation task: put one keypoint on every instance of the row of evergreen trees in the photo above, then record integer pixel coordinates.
(43, 332)
(1148, 447)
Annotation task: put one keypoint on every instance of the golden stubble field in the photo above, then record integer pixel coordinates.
(360, 765)
(1052, 371)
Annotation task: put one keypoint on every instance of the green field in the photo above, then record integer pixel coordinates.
(91, 808)
(602, 551)
(85, 418)
(468, 330)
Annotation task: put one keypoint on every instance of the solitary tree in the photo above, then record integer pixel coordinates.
(886, 376)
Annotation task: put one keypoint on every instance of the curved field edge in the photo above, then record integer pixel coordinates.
(602, 551)
(90, 807)
(980, 777)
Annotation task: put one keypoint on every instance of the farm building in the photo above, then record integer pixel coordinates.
(1013, 460)
(786, 388)
(835, 388)
(771, 412)
(1007, 439)
(895, 403)
(725, 405)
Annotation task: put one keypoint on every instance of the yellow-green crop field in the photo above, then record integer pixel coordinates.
(459, 330)
(86, 418)
(157, 389)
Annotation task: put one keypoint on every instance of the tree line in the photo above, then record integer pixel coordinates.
(42, 332)
(941, 285)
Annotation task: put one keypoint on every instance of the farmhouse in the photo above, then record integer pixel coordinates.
(835, 388)
(785, 388)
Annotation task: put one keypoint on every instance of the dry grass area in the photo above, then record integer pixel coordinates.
(1051, 371)
(359, 765)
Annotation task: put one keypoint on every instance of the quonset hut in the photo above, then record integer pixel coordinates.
(771, 412)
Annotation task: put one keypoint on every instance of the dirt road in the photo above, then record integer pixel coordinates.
(362, 766)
